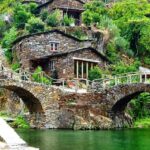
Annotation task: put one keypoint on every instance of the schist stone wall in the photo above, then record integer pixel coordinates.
(64, 64)
(39, 46)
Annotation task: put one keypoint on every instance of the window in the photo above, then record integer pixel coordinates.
(52, 65)
(54, 46)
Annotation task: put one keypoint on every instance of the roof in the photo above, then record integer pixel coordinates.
(47, 32)
(58, 54)
(144, 70)
(31, 1)
(50, 1)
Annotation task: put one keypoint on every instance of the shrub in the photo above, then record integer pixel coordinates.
(122, 67)
(9, 37)
(139, 106)
(79, 34)
(94, 10)
(95, 73)
(54, 19)
(111, 52)
(31, 7)
(68, 21)
(44, 15)
(38, 77)
(8, 55)
(2, 27)
(147, 60)
(35, 25)
(15, 66)
(21, 16)
(20, 122)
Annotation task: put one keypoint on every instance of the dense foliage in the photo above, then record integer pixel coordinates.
(38, 76)
(95, 73)
(140, 106)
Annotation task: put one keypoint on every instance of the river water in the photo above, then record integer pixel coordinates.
(127, 139)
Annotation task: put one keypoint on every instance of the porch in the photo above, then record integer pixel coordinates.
(83, 66)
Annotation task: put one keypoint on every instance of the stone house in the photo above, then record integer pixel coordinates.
(73, 8)
(57, 51)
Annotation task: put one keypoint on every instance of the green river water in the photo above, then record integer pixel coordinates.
(127, 139)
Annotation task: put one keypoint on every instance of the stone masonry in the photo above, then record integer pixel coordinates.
(50, 107)
(38, 46)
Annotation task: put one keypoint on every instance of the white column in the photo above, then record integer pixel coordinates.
(91, 65)
(82, 69)
(87, 70)
(77, 69)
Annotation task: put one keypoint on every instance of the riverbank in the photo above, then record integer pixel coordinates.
(142, 123)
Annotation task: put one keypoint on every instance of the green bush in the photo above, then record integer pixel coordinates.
(2, 27)
(68, 21)
(139, 106)
(38, 77)
(147, 60)
(122, 67)
(35, 25)
(95, 73)
(44, 15)
(15, 66)
(31, 7)
(79, 34)
(111, 52)
(21, 16)
(54, 19)
(20, 122)
(9, 37)
(94, 10)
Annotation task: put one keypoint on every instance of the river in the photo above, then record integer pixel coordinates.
(126, 139)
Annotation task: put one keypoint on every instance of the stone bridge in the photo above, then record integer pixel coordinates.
(50, 107)
(107, 107)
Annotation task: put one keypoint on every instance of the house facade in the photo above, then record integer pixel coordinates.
(56, 51)
(72, 64)
(73, 8)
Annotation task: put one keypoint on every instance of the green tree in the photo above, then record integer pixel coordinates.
(94, 11)
(35, 25)
(132, 17)
(21, 16)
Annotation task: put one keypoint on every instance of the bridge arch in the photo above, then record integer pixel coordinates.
(30, 100)
(126, 93)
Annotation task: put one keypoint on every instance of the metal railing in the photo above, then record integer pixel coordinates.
(75, 85)
(129, 78)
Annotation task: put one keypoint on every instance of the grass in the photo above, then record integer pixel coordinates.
(142, 123)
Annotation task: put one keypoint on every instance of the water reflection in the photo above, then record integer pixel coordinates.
(130, 139)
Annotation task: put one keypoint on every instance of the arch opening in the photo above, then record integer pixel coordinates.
(124, 115)
(30, 101)
(121, 104)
